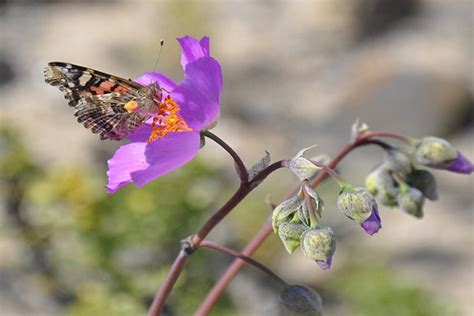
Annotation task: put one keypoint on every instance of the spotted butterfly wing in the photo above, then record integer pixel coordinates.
(110, 106)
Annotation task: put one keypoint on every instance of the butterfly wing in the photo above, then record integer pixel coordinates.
(98, 98)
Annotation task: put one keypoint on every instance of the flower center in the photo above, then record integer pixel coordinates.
(167, 120)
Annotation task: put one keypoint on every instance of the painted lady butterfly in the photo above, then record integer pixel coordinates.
(110, 106)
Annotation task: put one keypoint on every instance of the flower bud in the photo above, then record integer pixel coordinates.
(301, 300)
(319, 244)
(411, 202)
(290, 234)
(284, 211)
(438, 153)
(397, 161)
(358, 204)
(381, 184)
(424, 181)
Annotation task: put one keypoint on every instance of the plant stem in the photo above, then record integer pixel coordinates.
(265, 231)
(232, 270)
(371, 135)
(167, 286)
(220, 214)
(247, 259)
(309, 205)
(244, 189)
(330, 172)
(239, 164)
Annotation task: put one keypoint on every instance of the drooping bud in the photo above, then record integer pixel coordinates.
(290, 234)
(319, 244)
(412, 201)
(284, 211)
(424, 181)
(397, 161)
(358, 204)
(301, 300)
(383, 186)
(438, 153)
(303, 168)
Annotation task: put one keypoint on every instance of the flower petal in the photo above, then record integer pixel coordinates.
(461, 165)
(198, 95)
(167, 154)
(192, 49)
(142, 162)
(127, 158)
(373, 223)
(324, 264)
(165, 82)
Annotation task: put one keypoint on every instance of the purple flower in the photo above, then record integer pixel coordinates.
(324, 264)
(461, 165)
(194, 103)
(373, 223)
(438, 153)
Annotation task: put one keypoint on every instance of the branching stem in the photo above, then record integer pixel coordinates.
(266, 229)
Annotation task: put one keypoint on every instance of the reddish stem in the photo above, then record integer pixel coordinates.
(266, 229)
(167, 286)
(255, 263)
(239, 195)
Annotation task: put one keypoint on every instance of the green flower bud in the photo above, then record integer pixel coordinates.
(290, 234)
(301, 300)
(284, 211)
(319, 244)
(435, 152)
(356, 203)
(381, 184)
(424, 181)
(397, 161)
(412, 202)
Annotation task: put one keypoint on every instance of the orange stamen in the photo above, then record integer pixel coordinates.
(167, 120)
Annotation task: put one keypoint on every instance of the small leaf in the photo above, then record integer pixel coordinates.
(259, 166)
(358, 128)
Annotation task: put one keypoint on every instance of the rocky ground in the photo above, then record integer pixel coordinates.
(296, 73)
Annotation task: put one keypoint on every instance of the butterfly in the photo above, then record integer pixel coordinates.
(110, 106)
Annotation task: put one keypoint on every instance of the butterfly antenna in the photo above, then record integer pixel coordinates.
(162, 43)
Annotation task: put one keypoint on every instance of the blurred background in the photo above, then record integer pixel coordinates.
(296, 73)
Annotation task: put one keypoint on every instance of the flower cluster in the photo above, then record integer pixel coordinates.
(398, 181)
(401, 181)
(296, 219)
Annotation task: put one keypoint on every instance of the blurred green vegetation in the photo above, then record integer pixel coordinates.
(106, 255)
(97, 254)
(370, 289)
